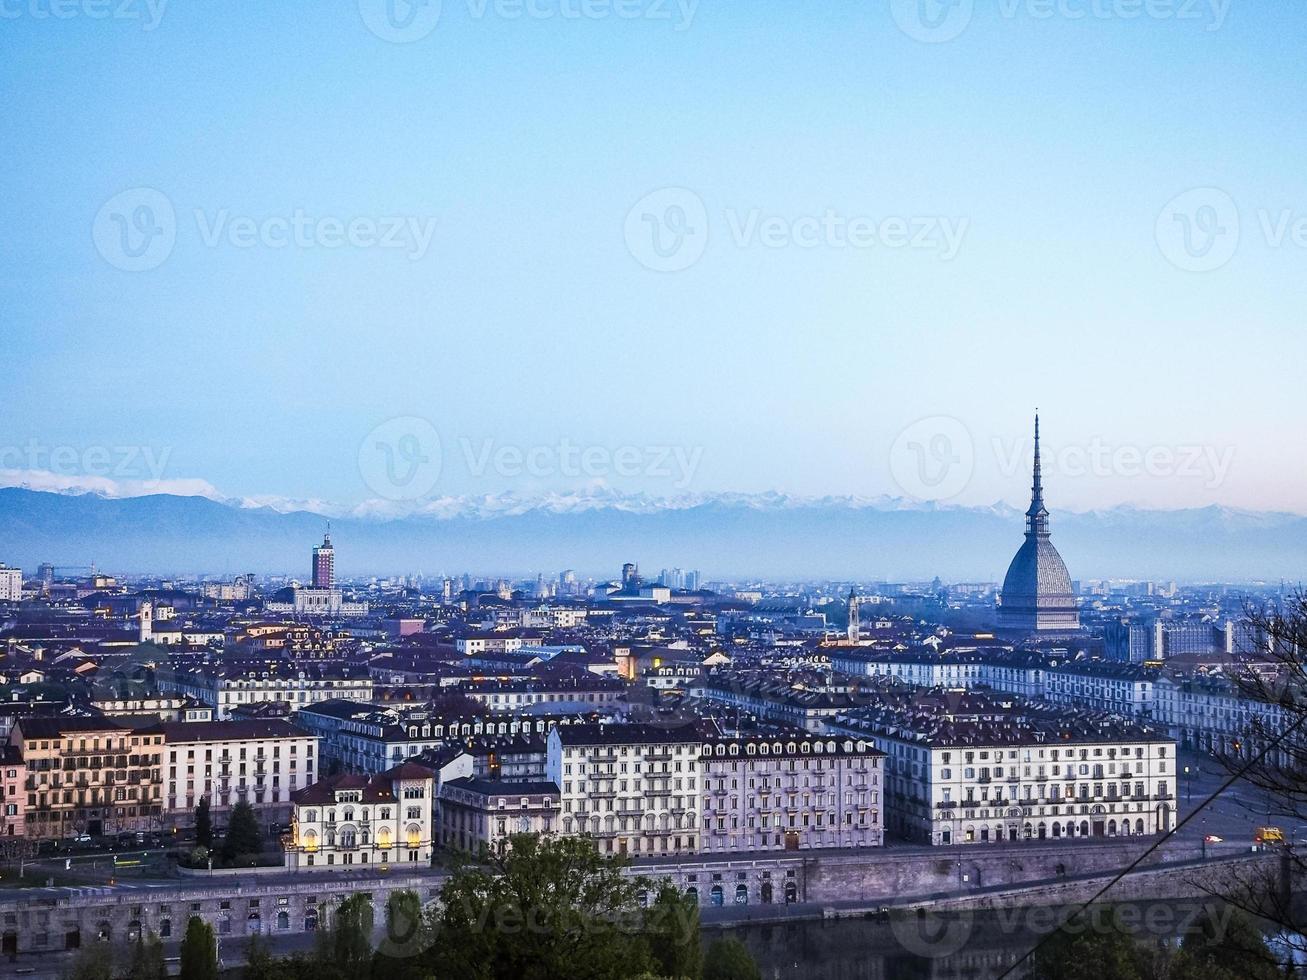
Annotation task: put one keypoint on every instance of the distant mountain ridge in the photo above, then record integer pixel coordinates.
(772, 536)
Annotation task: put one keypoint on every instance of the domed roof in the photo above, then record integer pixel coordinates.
(1037, 589)
(1037, 575)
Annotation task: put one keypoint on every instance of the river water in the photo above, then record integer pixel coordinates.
(953, 946)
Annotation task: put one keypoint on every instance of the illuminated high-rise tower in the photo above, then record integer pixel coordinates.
(324, 563)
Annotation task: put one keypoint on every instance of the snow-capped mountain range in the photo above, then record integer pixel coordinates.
(594, 531)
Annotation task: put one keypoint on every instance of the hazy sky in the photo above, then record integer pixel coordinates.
(353, 250)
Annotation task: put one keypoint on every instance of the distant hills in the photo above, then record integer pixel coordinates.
(729, 535)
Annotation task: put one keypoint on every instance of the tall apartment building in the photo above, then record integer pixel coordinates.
(476, 812)
(259, 762)
(89, 775)
(11, 584)
(13, 795)
(790, 793)
(634, 788)
(324, 564)
(975, 768)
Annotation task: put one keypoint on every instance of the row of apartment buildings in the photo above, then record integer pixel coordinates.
(65, 776)
(973, 767)
(1210, 713)
(639, 790)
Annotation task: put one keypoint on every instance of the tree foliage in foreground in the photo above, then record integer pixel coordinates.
(538, 908)
(199, 952)
(1223, 944)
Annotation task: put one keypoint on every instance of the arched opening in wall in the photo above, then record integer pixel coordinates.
(1043, 831)
(1084, 828)
(692, 894)
(253, 924)
(1111, 828)
(283, 920)
(1139, 826)
(104, 932)
(715, 896)
(766, 893)
(741, 894)
(1057, 831)
(791, 893)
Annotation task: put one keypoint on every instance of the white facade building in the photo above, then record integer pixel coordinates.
(352, 820)
(224, 688)
(11, 584)
(974, 769)
(260, 762)
(634, 788)
(790, 793)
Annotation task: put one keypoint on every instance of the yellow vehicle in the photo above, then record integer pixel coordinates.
(1269, 835)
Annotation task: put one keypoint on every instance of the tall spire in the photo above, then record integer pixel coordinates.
(1037, 515)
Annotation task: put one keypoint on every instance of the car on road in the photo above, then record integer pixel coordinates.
(1212, 839)
(83, 839)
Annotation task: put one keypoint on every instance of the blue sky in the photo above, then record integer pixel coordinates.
(1013, 189)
